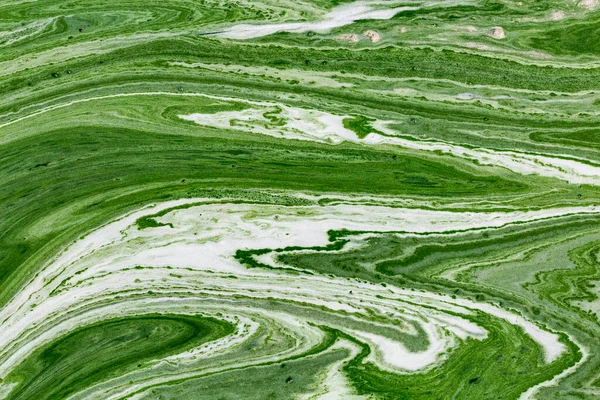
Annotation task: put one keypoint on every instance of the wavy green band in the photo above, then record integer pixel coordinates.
(299, 200)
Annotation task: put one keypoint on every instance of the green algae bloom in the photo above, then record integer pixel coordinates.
(276, 199)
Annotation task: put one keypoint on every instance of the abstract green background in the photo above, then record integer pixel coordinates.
(308, 199)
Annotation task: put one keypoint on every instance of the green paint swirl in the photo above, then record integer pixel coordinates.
(299, 200)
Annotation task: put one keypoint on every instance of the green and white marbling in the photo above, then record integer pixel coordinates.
(299, 200)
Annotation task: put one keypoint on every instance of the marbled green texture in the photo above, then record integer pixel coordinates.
(194, 209)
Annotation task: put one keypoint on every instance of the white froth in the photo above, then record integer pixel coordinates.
(318, 126)
(196, 257)
(340, 16)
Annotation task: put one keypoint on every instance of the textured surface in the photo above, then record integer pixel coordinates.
(299, 200)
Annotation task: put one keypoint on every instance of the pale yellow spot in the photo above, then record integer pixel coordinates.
(497, 32)
(350, 37)
(588, 4)
(372, 35)
(557, 15)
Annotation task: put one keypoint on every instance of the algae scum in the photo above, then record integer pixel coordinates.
(299, 199)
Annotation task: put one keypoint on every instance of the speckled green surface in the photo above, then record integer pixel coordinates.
(299, 200)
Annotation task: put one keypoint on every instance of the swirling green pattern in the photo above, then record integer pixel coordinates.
(299, 200)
